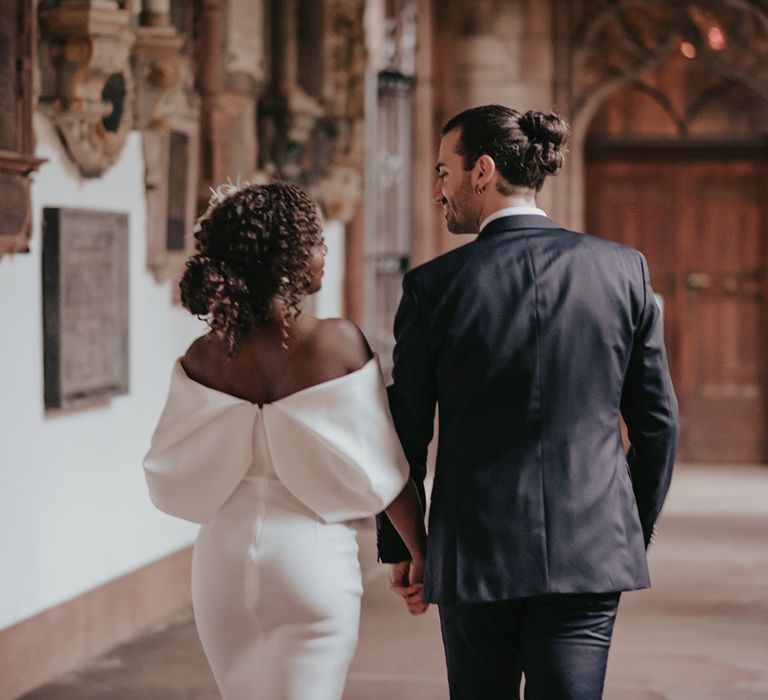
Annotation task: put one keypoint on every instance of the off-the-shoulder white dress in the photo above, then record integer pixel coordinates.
(276, 582)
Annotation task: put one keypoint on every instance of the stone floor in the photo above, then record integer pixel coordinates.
(701, 633)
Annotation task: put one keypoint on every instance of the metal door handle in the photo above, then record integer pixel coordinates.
(698, 280)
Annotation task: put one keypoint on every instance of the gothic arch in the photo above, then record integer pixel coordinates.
(605, 45)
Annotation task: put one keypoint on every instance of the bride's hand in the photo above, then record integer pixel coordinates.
(416, 571)
(415, 602)
(401, 576)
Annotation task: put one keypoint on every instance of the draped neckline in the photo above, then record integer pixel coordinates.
(300, 392)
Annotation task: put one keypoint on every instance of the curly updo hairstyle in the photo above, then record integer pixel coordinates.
(253, 244)
(525, 147)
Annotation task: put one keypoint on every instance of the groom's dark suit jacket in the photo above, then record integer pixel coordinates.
(531, 340)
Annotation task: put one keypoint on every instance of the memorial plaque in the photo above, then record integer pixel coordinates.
(85, 306)
(178, 192)
(171, 184)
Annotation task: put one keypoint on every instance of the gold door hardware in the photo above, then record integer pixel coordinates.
(698, 280)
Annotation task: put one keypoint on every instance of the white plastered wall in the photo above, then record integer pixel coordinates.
(74, 511)
(329, 301)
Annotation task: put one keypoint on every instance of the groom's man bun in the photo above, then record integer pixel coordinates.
(525, 147)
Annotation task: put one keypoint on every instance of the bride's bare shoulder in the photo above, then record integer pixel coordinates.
(200, 353)
(342, 340)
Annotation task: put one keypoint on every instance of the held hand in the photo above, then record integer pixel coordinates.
(405, 579)
(416, 572)
(415, 602)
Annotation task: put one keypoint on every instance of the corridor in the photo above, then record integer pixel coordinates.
(701, 633)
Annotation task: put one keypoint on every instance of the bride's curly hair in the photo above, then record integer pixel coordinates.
(253, 244)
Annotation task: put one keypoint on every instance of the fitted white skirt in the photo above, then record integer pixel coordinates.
(276, 595)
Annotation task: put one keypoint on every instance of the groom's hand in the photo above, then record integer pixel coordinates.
(410, 591)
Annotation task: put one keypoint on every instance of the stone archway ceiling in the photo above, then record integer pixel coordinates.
(618, 43)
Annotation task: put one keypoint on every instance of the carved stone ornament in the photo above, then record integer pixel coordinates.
(164, 80)
(91, 103)
(288, 124)
(289, 113)
(341, 186)
(171, 161)
(17, 144)
(316, 138)
(167, 111)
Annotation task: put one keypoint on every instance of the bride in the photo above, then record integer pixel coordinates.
(275, 435)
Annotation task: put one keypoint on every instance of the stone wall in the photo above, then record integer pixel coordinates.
(492, 51)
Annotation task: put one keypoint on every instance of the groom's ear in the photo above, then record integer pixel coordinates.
(484, 169)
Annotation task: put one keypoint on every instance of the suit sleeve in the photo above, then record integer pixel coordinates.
(649, 407)
(412, 399)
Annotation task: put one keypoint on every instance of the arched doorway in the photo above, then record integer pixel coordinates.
(676, 164)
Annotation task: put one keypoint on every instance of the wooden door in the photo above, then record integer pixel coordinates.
(703, 225)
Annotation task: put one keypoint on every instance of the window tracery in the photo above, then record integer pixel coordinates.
(708, 45)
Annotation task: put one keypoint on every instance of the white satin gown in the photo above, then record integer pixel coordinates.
(276, 582)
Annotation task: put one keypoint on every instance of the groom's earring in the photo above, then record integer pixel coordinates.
(478, 189)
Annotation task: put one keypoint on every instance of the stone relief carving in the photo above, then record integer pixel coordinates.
(17, 146)
(244, 55)
(164, 82)
(167, 111)
(340, 188)
(88, 86)
(288, 113)
(317, 138)
(171, 176)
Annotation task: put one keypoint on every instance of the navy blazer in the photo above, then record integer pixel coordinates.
(532, 340)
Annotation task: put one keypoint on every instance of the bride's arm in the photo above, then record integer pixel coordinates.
(407, 517)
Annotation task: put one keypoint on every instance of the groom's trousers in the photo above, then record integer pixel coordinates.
(559, 643)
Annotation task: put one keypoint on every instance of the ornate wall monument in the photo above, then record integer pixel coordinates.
(167, 111)
(311, 116)
(17, 147)
(87, 84)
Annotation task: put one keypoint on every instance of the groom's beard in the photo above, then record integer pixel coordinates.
(459, 214)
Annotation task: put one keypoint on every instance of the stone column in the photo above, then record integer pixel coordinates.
(167, 111)
(425, 142)
(286, 45)
(244, 83)
(493, 51)
(213, 138)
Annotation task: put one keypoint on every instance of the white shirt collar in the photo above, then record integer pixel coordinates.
(510, 211)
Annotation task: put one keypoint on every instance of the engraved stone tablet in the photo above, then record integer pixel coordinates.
(85, 306)
(178, 172)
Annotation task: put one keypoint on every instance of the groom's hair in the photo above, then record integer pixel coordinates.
(525, 147)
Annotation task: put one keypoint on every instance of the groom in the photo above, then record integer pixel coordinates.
(532, 340)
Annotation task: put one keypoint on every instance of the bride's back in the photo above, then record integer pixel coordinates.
(262, 369)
